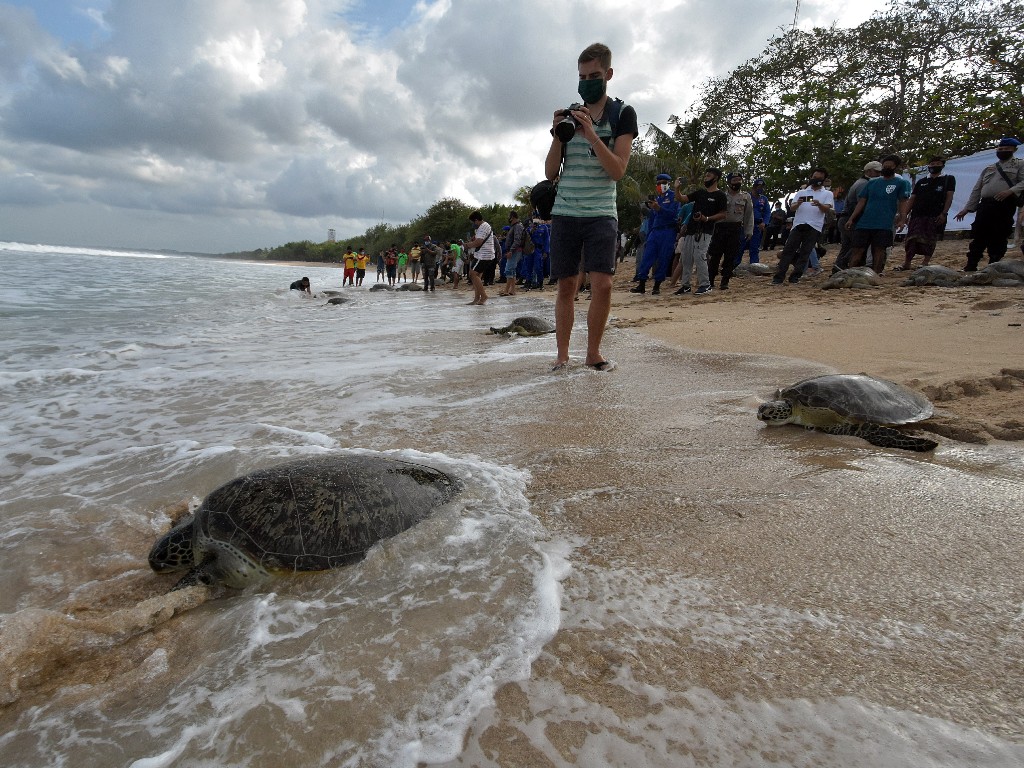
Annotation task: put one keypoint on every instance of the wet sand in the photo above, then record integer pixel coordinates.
(963, 347)
(749, 596)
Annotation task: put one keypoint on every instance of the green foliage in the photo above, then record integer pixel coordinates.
(931, 77)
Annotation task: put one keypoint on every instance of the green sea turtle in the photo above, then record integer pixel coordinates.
(852, 404)
(409, 287)
(934, 274)
(306, 515)
(757, 268)
(381, 287)
(854, 277)
(527, 326)
(1007, 273)
(337, 300)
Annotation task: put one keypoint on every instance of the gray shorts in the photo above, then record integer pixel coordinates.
(582, 244)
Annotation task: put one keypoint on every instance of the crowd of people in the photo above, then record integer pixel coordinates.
(710, 230)
(519, 260)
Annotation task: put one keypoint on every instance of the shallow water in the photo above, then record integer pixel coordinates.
(712, 591)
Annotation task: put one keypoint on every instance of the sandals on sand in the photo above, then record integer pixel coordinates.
(604, 365)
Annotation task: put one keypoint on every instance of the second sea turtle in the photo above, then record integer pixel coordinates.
(528, 325)
(852, 404)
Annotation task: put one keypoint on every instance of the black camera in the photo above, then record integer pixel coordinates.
(565, 128)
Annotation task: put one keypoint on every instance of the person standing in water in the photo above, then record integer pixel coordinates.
(584, 221)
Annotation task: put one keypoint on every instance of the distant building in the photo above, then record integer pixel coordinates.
(330, 235)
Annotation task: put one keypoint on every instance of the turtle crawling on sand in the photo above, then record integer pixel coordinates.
(854, 277)
(306, 515)
(852, 404)
(527, 326)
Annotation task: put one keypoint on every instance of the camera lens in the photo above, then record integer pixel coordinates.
(565, 129)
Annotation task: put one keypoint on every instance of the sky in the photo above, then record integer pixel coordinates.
(225, 126)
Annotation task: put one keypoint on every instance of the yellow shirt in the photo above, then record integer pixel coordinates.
(350, 261)
(361, 260)
(414, 253)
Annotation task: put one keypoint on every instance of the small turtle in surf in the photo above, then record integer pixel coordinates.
(852, 404)
(527, 326)
(306, 515)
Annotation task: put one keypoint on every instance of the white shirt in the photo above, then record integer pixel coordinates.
(812, 214)
(486, 251)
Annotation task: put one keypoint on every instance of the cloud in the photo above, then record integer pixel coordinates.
(253, 120)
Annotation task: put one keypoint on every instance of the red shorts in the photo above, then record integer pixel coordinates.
(350, 271)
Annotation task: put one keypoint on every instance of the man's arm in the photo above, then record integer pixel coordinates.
(861, 202)
(945, 208)
(613, 162)
(553, 161)
(973, 200)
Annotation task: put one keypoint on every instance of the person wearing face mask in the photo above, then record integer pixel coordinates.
(929, 204)
(709, 208)
(809, 207)
(762, 217)
(737, 224)
(662, 209)
(997, 193)
(871, 171)
(584, 219)
(881, 209)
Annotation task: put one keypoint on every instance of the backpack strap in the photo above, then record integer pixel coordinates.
(613, 108)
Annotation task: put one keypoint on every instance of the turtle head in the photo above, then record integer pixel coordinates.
(775, 412)
(174, 551)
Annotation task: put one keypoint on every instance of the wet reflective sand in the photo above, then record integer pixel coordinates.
(744, 595)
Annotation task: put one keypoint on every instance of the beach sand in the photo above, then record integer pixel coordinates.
(962, 347)
(754, 596)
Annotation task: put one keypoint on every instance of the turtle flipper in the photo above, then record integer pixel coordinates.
(883, 437)
(205, 573)
(887, 437)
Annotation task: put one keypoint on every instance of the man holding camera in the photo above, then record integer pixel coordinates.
(809, 209)
(710, 206)
(662, 210)
(584, 221)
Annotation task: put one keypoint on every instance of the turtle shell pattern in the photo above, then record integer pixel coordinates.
(859, 398)
(318, 513)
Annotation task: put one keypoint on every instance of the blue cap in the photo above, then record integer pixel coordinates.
(758, 182)
(1008, 141)
(663, 177)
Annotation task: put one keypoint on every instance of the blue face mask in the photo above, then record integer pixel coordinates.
(591, 91)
